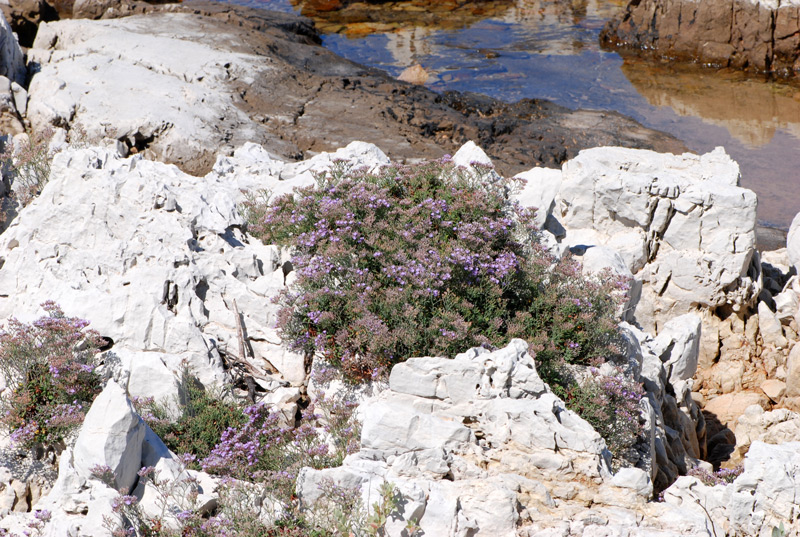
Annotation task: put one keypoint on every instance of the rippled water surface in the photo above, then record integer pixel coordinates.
(515, 49)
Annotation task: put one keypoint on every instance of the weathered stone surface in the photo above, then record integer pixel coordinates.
(770, 327)
(773, 427)
(111, 435)
(738, 33)
(176, 106)
(452, 434)
(774, 389)
(793, 372)
(12, 63)
(793, 243)
(540, 190)
(728, 407)
(678, 345)
(684, 226)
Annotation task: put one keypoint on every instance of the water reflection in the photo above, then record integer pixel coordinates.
(752, 109)
(357, 19)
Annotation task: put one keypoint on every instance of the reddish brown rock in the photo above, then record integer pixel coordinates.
(734, 33)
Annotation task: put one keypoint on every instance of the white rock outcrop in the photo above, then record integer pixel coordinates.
(12, 61)
(793, 243)
(462, 439)
(111, 435)
(681, 223)
(157, 261)
(168, 95)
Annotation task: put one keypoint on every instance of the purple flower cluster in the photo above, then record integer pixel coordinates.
(611, 403)
(387, 263)
(429, 260)
(723, 476)
(265, 444)
(49, 364)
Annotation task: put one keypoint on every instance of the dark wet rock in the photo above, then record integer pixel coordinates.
(744, 34)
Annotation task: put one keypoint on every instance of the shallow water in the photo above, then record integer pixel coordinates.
(515, 49)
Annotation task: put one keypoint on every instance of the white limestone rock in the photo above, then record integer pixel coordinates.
(12, 62)
(167, 279)
(471, 439)
(774, 427)
(678, 345)
(111, 435)
(469, 154)
(146, 374)
(787, 302)
(770, 327)
(688, 228)
(153, 82)
(793, 243)
(539, 190)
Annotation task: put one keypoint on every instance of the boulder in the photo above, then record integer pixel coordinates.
(146, 374)
(678, 346)
(793, 372)
(728, 407)
(774, 389)
(470, 154)
(770, 327)
(680, 222)
(12, 62)
(539, 190)
(111, 435)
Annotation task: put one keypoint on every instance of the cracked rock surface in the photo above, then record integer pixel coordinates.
(745, 34)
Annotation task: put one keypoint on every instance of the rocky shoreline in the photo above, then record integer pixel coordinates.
(163, 121)
(288, 95)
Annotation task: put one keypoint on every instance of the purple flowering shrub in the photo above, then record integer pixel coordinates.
(30, 163)
(723, 476)
(268, 451)
(429, 260)
(610, 403)
(204, 413)
(424, 260)
(49, 366)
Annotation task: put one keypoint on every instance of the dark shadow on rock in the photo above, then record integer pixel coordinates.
(721, 440)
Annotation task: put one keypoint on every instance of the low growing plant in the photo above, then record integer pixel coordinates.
(723, 476)
(205, 413)
(429, 260)
(49, 366)
(29, 161)
(610, 403)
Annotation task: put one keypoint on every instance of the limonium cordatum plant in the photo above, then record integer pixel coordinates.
(49, 366)
(428, 260)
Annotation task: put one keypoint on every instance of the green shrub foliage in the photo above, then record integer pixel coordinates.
(204, 415)
(49, 366)
(429, 259)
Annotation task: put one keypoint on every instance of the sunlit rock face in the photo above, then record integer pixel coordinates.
(745, 34)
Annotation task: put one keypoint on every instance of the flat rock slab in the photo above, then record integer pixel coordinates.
(188, 81)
